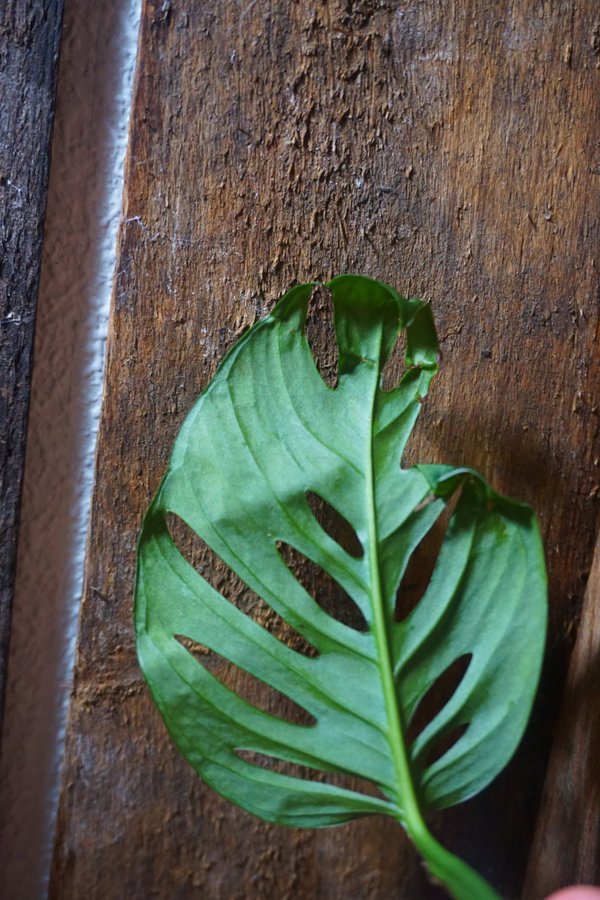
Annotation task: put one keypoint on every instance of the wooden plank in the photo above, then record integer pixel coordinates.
(566, 848)
(29, 44)
(451, 150)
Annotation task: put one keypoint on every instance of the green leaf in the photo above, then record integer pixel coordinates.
(265, 433)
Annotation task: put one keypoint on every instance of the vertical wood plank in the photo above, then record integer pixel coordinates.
(566, 848)
(29, 43)
(452, 150)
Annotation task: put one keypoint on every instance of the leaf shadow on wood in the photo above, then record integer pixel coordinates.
(582, 694)
(567, 839)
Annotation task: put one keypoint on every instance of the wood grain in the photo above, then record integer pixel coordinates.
(29, 43)
(452, 150)
(566, 848)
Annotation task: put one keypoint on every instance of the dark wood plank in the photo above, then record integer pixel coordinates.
(566, 848)
(29, 44)
(452, 150)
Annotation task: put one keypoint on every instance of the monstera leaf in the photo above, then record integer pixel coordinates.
(267, 433)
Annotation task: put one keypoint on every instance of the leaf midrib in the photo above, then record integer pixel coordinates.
(406, 799)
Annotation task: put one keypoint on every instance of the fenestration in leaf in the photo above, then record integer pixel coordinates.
(265, 432)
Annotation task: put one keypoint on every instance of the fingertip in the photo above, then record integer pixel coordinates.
(582, 892)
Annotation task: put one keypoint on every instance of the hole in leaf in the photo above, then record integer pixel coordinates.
(254, 691)
(224, 580)
(443, 744)
(336, 526)
(438, 695)
(339, 779)
(394, 366)
(325, 590)
(417, 576)
(320, 334)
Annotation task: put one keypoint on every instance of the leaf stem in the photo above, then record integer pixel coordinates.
(461, 880)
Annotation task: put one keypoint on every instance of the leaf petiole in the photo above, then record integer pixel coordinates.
(462, 882)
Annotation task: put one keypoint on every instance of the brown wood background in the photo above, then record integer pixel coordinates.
(566, 846)
(451, 149)
(29, 43)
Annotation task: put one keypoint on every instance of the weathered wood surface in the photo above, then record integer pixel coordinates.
(29, 43)
(452, 150)
(566, 848)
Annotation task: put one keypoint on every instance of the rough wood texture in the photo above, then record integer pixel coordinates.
(566, 848)
(452, 150)
(29, 42)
